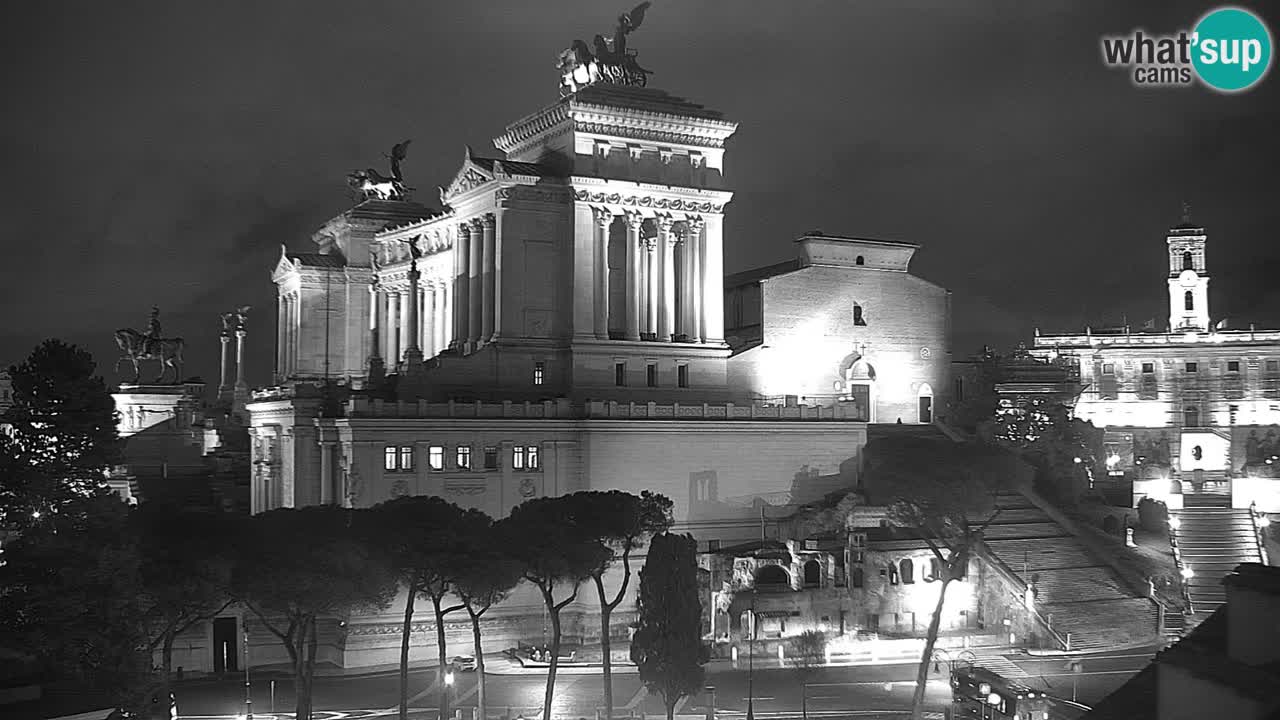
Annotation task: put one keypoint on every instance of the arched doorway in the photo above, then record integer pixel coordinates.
(859, 386)
(772, 575)
(924, 404)
(812, 574)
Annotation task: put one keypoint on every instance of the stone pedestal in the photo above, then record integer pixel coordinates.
(144, 406)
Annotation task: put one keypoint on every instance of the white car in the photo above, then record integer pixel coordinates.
(464, 663)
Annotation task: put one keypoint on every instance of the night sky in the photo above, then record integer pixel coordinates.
(160, 153)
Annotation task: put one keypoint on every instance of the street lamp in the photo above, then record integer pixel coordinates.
(1187, 573)
(248, 699)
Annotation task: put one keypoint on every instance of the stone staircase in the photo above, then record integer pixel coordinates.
(1212, 539)
(1075, 591)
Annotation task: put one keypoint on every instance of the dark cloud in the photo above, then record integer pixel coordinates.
(160, 153)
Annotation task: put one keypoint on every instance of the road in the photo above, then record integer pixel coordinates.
(860, 691)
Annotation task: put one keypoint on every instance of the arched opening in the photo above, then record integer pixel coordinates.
(772, 575)
(812, 574)
(908, 570)
(1188, 301)
(858, 578)
(924, 404)
(1188, 262)
(859, 261)
(1191, 416)
(858, 319)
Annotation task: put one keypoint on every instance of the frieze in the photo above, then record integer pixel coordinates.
(531, 194)
(463, 488)
(647, 201)
(396, 628)
(668, 137)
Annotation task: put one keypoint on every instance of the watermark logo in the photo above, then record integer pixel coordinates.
(1229, 50)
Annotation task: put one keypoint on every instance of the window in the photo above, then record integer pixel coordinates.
(435, 457)
(491, 458)
(1233, 366)
(1191, 416)
(1193, 367)
(857, 316)
(464, 457)
(859, 261)
(713, 545)
(1148, 368)
(651, 375)
(397, 458)
(620, 374)
(539, 369)
(524, 457)
(858, 578)
(812, 574)
(1108, 368)
(935, 570)
(1188, 301)
(893, 575)
(908, 571)
(682, 376)
(1188, 262)
(1273, 366)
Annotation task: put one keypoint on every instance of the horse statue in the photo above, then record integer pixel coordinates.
(370, 183)
(136, 346)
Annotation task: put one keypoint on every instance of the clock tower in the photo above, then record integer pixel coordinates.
(1188, 278)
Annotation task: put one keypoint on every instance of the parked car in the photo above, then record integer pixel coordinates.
(464, 663)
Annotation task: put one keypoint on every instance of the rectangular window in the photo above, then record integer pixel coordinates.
(713, 545)
(620, 374)
(1233, 366)
(406, 457)
(1193, 367)
(389, 458)
(1273, 366)
(651, 375)
(464, 457)
(539, 369)
(682, 376)
(491, 458)
(531, 457)
(1108, 368)
(435, 457)
(1148, 368)
(524, 457)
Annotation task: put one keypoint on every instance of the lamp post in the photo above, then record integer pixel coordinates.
(448, 689)
(248, 698)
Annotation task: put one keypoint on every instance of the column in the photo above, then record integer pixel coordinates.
(327, 494)
(444, 329)
(406, 325)
(413, 302)
(684, 322)
(603, 219)
(713, 279)
(475, 287)
(490, 264)
(241, 385)
(291, 346)
(651, 285)
(222, 382)
(281, 326)
(393, 328)
(633, 221)
(375, 302)
(693, 236)
(461, 286)
(667, 295)
(428, 315)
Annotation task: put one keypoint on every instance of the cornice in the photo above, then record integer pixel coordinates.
(656, 198)
(531, 126)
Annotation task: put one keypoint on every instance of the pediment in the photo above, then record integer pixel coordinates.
(284, 266)
(470, 176)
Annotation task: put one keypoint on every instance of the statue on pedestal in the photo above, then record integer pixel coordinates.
(151, 345)
(611, 62)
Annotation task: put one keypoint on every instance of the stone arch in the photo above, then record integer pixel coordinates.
(772, 575)
(812, 574)
(1188, 261)
(858, 381)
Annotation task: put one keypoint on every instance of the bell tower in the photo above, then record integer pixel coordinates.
(1188, 276)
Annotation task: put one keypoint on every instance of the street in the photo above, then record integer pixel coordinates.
(859, 691)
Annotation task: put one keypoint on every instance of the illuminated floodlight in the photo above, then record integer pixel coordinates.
(984, 689)
(1175, 522)
(993, 699)
(448, 678)
(1187, 573)
(35, 514)
(1263, 521)
(1076, 460)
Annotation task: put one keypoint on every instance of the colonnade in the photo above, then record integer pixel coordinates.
(396, 311)
(666, 280)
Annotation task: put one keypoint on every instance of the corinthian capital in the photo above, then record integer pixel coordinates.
(693, 225)
(488, 221)
(664, 223)
(635, 220)
(603, 217)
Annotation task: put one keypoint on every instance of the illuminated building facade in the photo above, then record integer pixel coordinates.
(559, 325)
(1196, 401)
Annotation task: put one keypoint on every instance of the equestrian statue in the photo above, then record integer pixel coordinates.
(370, 183)
(151, 345)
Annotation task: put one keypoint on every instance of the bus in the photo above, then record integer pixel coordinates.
(977, 692)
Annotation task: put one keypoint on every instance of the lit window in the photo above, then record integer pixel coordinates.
(682, 376)
(1193, 367)
(1233, 366)
(435, 457)
(389, 458)
(538, 369)
(406, 457)
(464, 457)
(517, 457)
(620, 374)
(531, 455)
(1108, 368)
(1148, 368)
(651, 375)
(491, 458)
